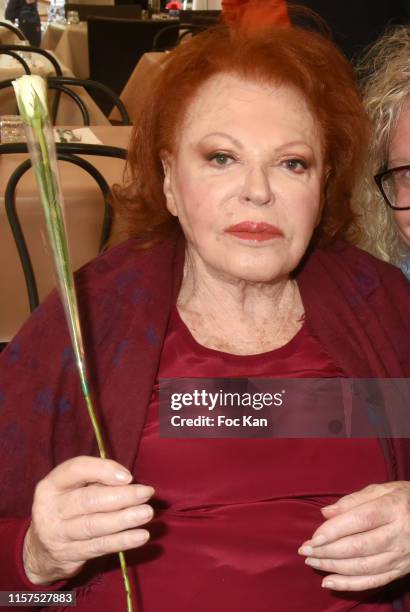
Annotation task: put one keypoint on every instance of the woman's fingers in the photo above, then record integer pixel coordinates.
(365, 544)
(360, 566)
(84, 508)
(358, 545)
(81, 551)
(95, 498)
(347, 502)
(81, 471)
(359, 583)
(365, 517)
(91, 526)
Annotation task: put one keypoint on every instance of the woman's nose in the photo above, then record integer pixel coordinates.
(256, 188)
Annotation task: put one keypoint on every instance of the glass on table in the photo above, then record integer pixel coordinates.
(154, 7)
(73, 17)
(56, 12)
(12, 129)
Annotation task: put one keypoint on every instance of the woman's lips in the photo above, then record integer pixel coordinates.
(251, 230)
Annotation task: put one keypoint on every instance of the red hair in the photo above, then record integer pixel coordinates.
(276, 55)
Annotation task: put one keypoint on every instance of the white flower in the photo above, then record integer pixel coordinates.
(31, 94)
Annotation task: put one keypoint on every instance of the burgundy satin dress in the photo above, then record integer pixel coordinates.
(232, 513)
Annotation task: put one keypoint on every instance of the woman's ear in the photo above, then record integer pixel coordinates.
(166, 161)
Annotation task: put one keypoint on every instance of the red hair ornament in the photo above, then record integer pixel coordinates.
(253, 15)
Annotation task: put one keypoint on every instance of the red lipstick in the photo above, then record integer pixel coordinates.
(251, 230)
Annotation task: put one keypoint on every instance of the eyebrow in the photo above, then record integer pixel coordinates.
(399, 161)
(293, 143)
(224, 135)
(240, 145)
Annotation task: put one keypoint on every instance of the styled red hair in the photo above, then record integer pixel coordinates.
(277, 55)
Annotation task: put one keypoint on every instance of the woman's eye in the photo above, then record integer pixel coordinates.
(221, 159)
(298, 166)
(404, 174)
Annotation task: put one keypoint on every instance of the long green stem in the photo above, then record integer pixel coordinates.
(50, 197)
(103, 454)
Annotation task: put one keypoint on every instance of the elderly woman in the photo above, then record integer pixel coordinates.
(383, 195)
(242, 163)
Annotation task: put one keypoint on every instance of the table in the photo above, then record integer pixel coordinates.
(69, 42)
(135, 92)
(83, 208)
(68, 110)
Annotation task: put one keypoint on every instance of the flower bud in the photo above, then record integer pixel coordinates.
(31, 94)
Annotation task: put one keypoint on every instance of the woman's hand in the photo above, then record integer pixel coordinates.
(84, 508)
(365, 541)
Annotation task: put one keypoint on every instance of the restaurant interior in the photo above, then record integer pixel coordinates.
(96, 90)
(100, 59)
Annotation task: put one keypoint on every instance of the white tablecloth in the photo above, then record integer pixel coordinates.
(69, 43)
(134, 94)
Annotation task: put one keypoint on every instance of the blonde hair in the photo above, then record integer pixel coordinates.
(384, 71)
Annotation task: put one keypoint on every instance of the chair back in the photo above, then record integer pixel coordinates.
(162, 37)
(113, 64)
(69, 152)
(65, 85)
(204, 18)
(29, 49)
(49, 56)
(72, 88)
(16, 56)
(125, 11)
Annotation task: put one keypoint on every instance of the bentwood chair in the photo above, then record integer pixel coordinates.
(17, 57)
(201, 18)
(69, 86)
(161, 40)
(34, 50)
(123, 11)
(65, 85)
(9, 49)
(72, 153)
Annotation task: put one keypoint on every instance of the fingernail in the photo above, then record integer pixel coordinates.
(142, 535)
(305, 550)
(312, 562)
(331, 507)
(145, 491)
(123, 475)
(318, 540)
(328, 584)
(143, 513)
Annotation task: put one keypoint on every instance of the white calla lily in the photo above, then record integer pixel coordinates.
(31, 94)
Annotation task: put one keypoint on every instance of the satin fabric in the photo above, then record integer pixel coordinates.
(231, 513)
(254, 15)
